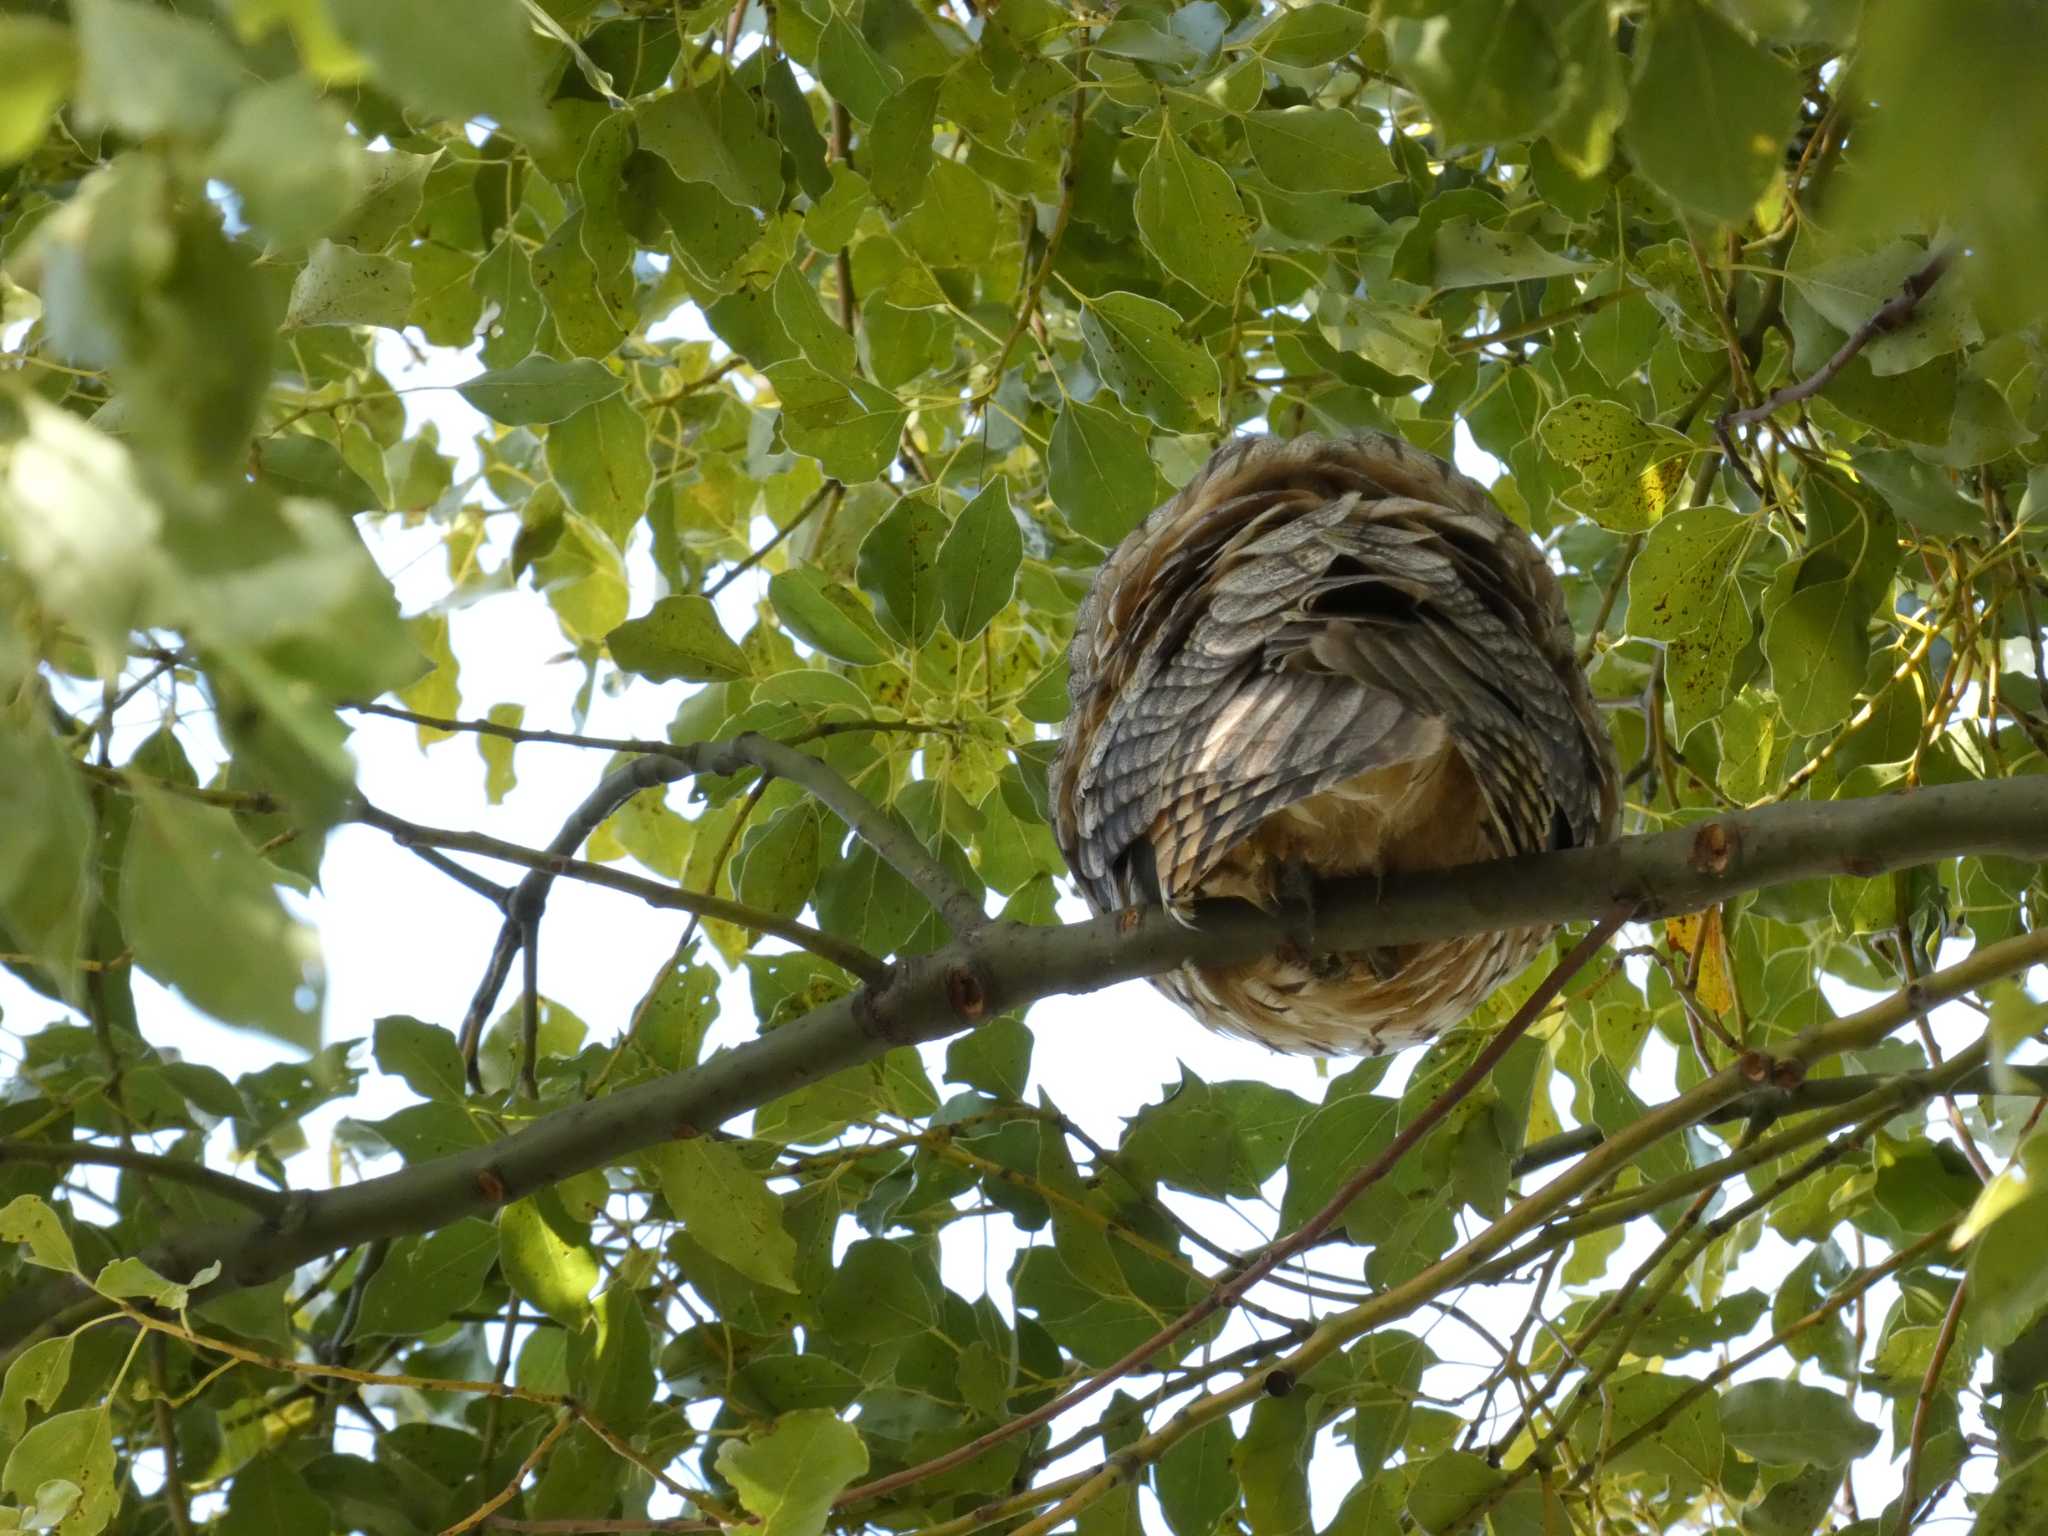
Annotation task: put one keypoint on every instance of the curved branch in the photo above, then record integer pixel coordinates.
(1005, 966)
(897, 845)
(1890, 315)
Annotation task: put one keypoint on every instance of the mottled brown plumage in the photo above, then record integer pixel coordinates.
(1325, 658)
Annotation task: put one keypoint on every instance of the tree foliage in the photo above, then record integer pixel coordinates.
(820, 352)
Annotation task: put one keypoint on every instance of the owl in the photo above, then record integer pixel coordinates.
(1325, 657)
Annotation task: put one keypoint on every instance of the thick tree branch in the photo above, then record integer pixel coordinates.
(1004, 966)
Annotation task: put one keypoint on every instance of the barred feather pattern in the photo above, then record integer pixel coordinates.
(1325, 658)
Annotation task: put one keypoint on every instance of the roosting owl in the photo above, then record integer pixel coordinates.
(1325, 658)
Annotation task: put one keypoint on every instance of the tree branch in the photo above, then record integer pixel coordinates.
(1892, 314)
(1005, 966)
(898, 846)
(224, 1186)
(849, 957)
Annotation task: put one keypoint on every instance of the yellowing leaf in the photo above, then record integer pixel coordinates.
(1700, 933)
(1629, 470)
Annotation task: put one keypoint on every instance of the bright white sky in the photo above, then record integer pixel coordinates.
(400, 938)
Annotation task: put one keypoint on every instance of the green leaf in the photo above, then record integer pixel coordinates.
(47, 854)
(1488, 69)
(144, 71)
(832, 219)
(2008, 1286)
(76, 1449)
(854, 73)
(425, 1279)
(42, 62)
(1629, 470)
(789, 1476)
(500, 777)
(599, 458)
(1318, 149)
(954, 225)
(26, 1219)
(817, 335)
(300, 464)
(996, 1058)
(201, 909)
(1196, 1480)
(727, 1207)
(1818, 644)
(899, 568)
(712, 133)
(1191, 218)
(779, 865)
(875, 1295)
(1135, 342)
(978, 562)
(424, 1055)
(290, 157)
(827, 616)
(76, 521)
(1709, 112)
(454, 58)
(852, 427)
(2015, 1506)
(549, 1270)
(1100, 476)
(1788, 1423)
(1272, 1466)
(1451, 1483)
(129, 1277)
(1471, 255)
(37, 1376)
(269, 1495)
(540, 389)
(1683, 591)
(679, 638)
(1308, 35)
(342, 286)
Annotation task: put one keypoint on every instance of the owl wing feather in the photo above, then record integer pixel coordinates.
(1303, 613)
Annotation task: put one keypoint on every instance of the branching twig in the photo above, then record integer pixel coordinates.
(849, 957)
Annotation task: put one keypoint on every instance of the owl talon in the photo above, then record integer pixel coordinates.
(1385, 963)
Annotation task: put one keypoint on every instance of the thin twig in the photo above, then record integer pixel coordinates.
(849, 957)
(831, 490)
(1536, 325)
(1923, 1405)
(177, 1504)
